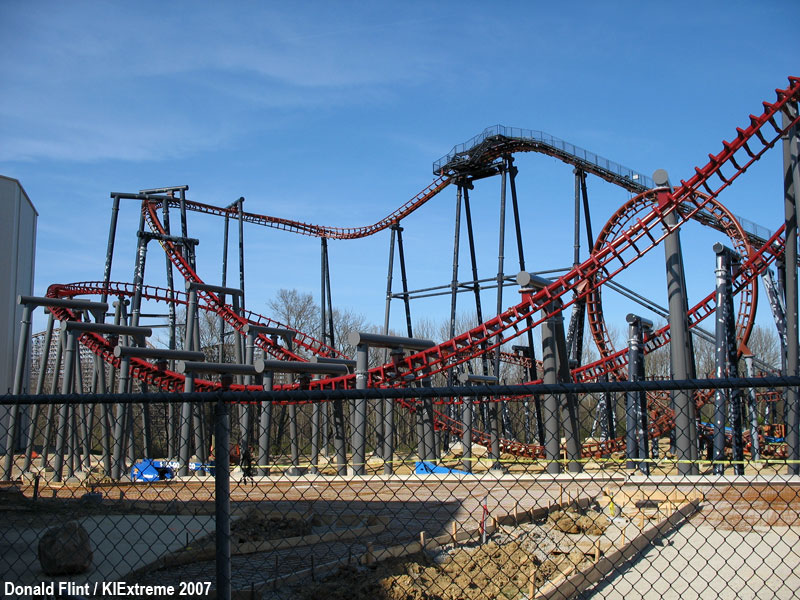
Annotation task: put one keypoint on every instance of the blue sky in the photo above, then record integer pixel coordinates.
(332, 113)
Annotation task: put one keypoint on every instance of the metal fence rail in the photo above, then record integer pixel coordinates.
(463, 518)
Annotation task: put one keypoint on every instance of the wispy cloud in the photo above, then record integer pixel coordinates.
(107, 82)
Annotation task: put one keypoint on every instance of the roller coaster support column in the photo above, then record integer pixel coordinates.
(48, 338)
(220, 318)
(171, 307)
(62, 432)
(266, 407)
(466, 422)
(454, 295)
(339, 441)
(338, 416)
(190, 368)
(97, 310)
(476, 288)
(50, 418)
(551, 423)
(123, 411)
(608, 414)
(576, 322)
(141, 351)
(191, 340)
(359, 416)
(29, 303)
(552, 428)
(326, 304)
(401, 255)
(680, 347)
(396, 344)
(305, 369)
(237, 298)
(752, 411)
(636, 429)
(265, 425)
(396, 355)
(251, 331)
(22, 360)
(569, 408)
(112, 233)
(466, 419)
(726, 365)
(240, 210)
(389, 275)
(184, 441)
(791, 180)
(530, 355)
(500, 405)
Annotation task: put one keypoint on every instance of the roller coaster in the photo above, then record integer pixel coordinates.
(655, 214)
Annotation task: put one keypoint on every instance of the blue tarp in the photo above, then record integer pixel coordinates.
(148, 469)
(424, 467)
(153, 469)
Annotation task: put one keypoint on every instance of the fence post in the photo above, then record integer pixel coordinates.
(222, 498)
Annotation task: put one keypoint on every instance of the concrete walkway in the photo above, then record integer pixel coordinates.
(703, 562)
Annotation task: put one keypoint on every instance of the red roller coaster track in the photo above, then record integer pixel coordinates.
(634, 230)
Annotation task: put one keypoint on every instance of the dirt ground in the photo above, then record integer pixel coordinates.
(501, 568)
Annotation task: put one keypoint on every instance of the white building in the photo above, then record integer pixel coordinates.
(17, 251)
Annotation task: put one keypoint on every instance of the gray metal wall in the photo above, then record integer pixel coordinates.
(17, 252)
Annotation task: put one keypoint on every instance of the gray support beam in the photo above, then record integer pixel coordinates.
(791, 182)
(752, 412)
(679, 347)
(494, 407)
(726, 365)
(316, 433)
(191, 341)
(48, 337)
(550, 405)
(359, 415)
(184, 436)
(264, 427)
(425, 414)
(19, 375)
(157, 353)
(466, 415)
(454, 295)
(389, 275)
(49, 420)
(403, 279)
(220, 319)
(119, 424)
(63, 431)
(388, 424)
(294, 441)
(476, 288)
(354, 338)
(112, 232)
(337, 410)
(636, 430)
(240, 210)
(569, 405)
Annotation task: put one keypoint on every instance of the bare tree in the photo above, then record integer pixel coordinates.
(296, 309)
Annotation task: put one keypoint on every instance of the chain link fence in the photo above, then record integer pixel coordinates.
(99, 503)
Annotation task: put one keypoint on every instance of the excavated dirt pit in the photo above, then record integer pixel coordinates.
(501, 568)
